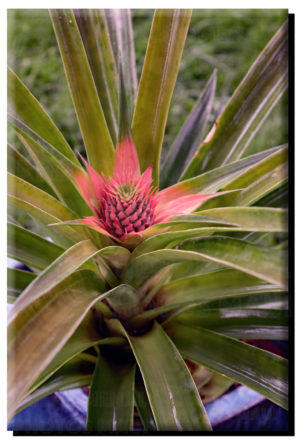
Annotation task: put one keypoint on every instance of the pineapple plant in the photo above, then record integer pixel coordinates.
(146, 277)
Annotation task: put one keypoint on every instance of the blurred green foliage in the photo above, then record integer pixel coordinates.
(229, 40)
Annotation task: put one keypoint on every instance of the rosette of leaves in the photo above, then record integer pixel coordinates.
(145, 286)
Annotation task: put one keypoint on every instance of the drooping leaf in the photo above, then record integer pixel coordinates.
(94, 33)
(30, 248)
(251, 259)
(260, 370)
(273, 300)
(119, 24)
(165, 46)
(205, 287)
(18, 165)
(260, 219)
(94, 130)
(192, 268)
(55, 273)
(237, 323)
(111, 398)
(241, 219)
(247, 109)
(174, 399)
(190, 136)
(40, 330)
(25, 107)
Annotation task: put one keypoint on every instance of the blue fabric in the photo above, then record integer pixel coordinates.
(265, 416)
(49, 414)
(240, 410)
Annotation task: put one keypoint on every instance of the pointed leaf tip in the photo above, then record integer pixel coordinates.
(161, 64)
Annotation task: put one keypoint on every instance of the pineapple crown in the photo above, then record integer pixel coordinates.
(127, 204)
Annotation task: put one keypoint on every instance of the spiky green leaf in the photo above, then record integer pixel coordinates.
(247, 109)
(119, 24)
(94, 130)
(174, 400)
(260, 370)
(190, 136)
(94, 33)
(165, 46)
(25, 107)
(111, 398)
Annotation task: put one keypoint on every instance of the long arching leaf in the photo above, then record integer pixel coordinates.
(276, 198)
(85, 336)
(241, 218)
(240, 324)
(206, 287)
(272, 300)
(95, 133)
(214, 180)
(18, 188)
(119, 24)
(174, 399)
(94, 33)
(252, 259)
(55, 273)
(260, 370)
(259, 218)
(165, 46)
(42, 328)
(25, 107)
(57, 175)
(247, 109)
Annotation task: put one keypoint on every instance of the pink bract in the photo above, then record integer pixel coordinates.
(127, 204)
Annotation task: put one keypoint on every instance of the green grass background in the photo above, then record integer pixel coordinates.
(229, 40)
